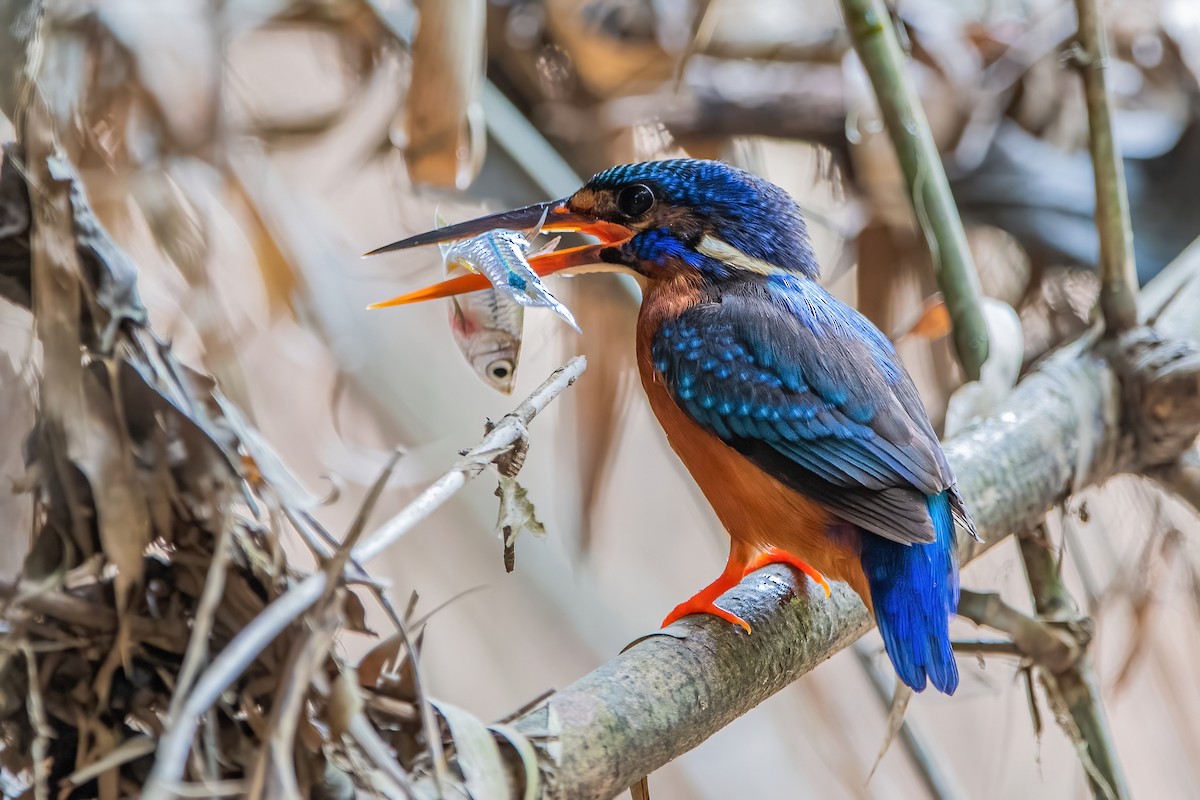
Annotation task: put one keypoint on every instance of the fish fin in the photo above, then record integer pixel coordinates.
(534, 231)
(546, 247)
(440, 222)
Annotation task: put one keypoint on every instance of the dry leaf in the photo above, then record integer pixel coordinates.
(932, 323)
(516, 514)
(276, 269)
(529, 759)
(345, 702)
(479, 758)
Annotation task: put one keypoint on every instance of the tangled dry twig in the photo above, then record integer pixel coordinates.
(195, 653)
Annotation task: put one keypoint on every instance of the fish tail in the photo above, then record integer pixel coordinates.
(914, 589)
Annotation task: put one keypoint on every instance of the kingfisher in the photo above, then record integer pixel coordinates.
(788, 407)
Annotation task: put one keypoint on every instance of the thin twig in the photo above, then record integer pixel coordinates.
(987, 647)
(42, 733)
(324, 546)
(197, 647)
(1118, 273)
(1073, 690)
(941, 783)
(1048, 646)
(879, 50)
(263, 629)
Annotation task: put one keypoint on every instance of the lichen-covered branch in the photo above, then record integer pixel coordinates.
(875, 41)
(1118, 275)
(1066, 426)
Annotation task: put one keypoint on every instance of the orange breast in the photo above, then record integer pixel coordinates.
(755, 508)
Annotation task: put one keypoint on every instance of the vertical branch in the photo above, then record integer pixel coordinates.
(879, 50)
(1074, 691)
(1118, 276)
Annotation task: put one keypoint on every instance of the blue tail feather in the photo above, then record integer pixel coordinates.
(914, 589)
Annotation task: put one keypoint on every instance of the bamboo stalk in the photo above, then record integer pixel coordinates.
(879, 50)
(1118, 274)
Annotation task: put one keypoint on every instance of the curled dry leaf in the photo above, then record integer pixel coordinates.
(932, 322)
(106, 460)
(479, 757)
(529, 759)
(443, 118)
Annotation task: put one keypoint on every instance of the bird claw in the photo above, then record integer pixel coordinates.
(703, 605)
(704, 601)
(778, 556)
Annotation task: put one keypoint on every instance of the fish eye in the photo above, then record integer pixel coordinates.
(635, 200)
(500, 369)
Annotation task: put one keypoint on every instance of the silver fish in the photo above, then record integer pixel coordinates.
(487, 328)
(502, 257)
(487, 325)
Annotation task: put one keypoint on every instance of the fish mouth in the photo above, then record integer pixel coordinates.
(551, 216)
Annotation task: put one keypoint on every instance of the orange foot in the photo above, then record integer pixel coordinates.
(702, 602)
(777, 556)
(740, 564)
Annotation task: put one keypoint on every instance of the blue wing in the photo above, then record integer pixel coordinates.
(812, 393)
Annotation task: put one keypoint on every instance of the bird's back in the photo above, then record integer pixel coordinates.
(800, 426)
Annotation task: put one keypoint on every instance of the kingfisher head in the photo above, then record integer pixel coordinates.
(702, 219)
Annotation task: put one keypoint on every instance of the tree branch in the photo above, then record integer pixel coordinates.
(1066, 426)
(1073, 689)
(1044, 644)
(1118, 275)
(875, 41)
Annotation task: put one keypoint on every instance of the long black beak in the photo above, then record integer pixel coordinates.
(558, 217)
(553, 216)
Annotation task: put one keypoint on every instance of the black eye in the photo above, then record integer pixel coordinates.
(633, 201)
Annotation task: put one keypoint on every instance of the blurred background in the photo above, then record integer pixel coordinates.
(245, 152)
